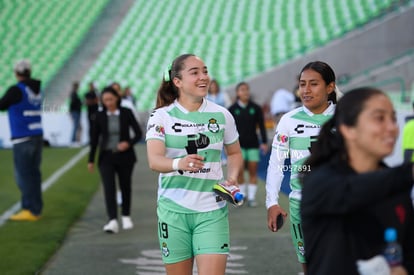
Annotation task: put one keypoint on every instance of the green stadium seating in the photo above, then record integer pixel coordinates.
(236, 38)
(43, 31)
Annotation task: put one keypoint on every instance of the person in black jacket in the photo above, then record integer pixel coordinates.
(249, 117)
(111, 128)
(75, 108)
(350, 196)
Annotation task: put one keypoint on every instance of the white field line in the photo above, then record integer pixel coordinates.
(46, 184)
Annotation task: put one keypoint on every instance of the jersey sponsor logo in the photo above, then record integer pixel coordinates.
(196, 141)
(299, 127)
(213, 125)
(178, 127)
(202, 171)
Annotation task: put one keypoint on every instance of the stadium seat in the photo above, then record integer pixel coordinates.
(236, 38)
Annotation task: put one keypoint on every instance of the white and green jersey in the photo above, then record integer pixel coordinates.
(202, 132)
(293, 139)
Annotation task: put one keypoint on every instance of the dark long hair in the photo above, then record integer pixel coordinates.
(330, 143)
(168, 92)
(327, 73)
(110, 90)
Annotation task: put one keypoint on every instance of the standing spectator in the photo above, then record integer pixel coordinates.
(221, 98)
(127, 95)
(218, 96)
(408, 139)
(92, 103)
(185, 135)
(349, 196)
(75, 107)
(125, 102)
(24, 104)
(249, 117)
(294, 137)
(111, 131)
(282, 102)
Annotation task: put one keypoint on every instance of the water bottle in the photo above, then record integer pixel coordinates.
(230, 193)
(393, 251)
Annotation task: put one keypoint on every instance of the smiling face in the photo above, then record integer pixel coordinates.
(193, 80)
(375, 133)
(314, 91)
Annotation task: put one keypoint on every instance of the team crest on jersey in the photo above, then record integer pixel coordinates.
(165, 250)
(213, 125)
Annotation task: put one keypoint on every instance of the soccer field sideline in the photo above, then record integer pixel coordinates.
(47, 183)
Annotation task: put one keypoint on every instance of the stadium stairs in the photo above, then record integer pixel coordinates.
(57, 91)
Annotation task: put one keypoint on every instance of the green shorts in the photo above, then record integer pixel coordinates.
(296, 230)
(251, 154)
(183, 236)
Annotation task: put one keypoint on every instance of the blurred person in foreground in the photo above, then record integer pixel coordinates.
(349, 195)
(185, 136)
(24, 104)
(111, 132)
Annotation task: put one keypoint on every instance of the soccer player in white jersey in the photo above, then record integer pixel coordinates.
(185, 137)
(293, 139)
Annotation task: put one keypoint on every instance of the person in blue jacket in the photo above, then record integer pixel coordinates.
(24, 104)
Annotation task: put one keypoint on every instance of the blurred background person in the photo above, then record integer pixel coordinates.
(128, 95)
(92, 104)
(408, 139)
(111, 132)
(282, 102)
(218, 96)
(249, 117)
(24, 104)
(75, 108)
(221, 98)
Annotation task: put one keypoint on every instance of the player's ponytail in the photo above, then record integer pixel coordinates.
(330, 144)
(168, 92)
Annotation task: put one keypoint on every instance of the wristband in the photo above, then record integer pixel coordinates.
(175, 164)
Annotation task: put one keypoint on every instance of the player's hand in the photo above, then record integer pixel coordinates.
(398, 270)
(272, 214)
(123, 146)
(91, 167)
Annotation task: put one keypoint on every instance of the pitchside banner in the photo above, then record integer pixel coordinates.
(57, 128)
